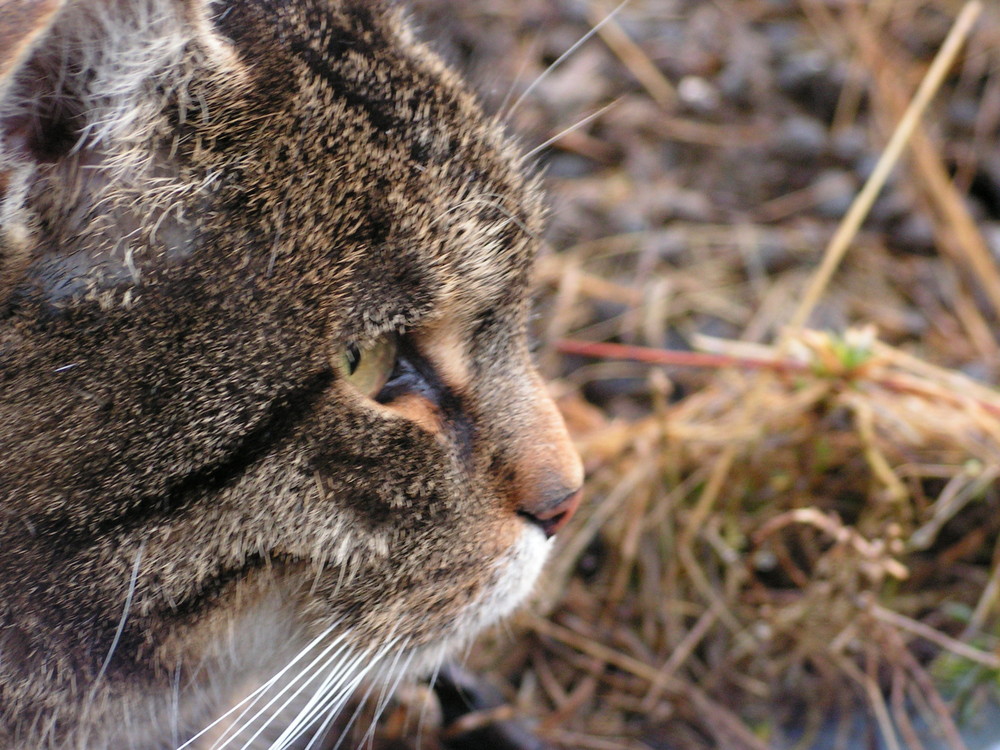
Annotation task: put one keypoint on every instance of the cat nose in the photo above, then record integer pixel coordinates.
(551, 513)
(548, 473)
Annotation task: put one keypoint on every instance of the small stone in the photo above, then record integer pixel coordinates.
(963, 113)
(814, 80)
(698, 94)
(891, 206)
(850, 144)
(801, 137)
(914, 234)
(802, 69)
(781, 36)
(735, 85)
(690, 205)
(568, 166)
(773, 251)
(836, 189)
(991, 233)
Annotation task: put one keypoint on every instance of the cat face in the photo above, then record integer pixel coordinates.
(265, 381)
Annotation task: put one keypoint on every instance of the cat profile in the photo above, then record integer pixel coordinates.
(269, 423)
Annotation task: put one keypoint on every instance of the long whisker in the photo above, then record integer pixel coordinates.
(354, 716)
(332, 695)
(327, 660)
(430, 685)
(387, 694)
(175, 707)
(256, 694)
(387, 691)
(571, 128)
(532, 49)
(467, 652)
(128, 604)
(342, 681)
(582, 40)
(322, 729)
(334, 702)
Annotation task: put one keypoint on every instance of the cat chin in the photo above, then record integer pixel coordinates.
(514, 578)
(316, 681)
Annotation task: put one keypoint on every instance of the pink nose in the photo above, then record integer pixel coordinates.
(549, 515)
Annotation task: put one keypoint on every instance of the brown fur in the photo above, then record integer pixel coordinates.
(189, 236)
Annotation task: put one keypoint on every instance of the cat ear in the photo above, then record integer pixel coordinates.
(81, 69)
(84, 87)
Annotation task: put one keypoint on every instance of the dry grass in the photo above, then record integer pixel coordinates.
(844, 547)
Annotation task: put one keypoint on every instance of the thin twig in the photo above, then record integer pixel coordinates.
(848, 228)
(898, 383)
(632, 55)
(965, 651)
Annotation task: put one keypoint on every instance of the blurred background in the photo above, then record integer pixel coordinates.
(791, 539)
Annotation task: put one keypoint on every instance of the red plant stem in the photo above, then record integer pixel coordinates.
(605, 350)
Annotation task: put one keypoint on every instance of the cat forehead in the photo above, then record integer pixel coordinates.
(378, 155)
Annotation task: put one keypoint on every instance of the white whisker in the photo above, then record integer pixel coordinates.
(256, 694)
(387, 694)
(337, 644)
(532, 49)
(342, 681)
(175, 708)
(466, 653)
(321, 729)
(582, 40)
(354, 716)
(386, 691)
(121, 623)
(423, 708)
(570, 129)
(331, 696)
(376, 660)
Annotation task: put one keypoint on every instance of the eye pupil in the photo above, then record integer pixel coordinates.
(353, 356)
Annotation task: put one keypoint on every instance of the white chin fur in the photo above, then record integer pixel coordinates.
(514, 578)
(515, 575)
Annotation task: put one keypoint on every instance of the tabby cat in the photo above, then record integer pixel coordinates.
(269, 425)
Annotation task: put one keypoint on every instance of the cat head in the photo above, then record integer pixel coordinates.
(263, 357)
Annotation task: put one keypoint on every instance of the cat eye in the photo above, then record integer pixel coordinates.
(368, 367)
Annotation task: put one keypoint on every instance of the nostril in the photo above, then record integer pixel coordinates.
(553, 516)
